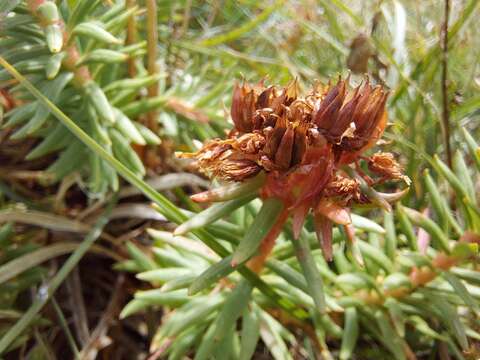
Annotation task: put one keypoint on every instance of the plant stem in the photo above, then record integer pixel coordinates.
(256, 264)
(66, 329)
(152, 38)
(131, 38)
(445, 105)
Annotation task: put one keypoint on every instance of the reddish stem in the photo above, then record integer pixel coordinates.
(256, 264)
(131, 38)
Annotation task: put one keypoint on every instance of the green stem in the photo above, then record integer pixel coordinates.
(64, 325)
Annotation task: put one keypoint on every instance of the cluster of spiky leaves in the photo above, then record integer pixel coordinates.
(417, 292)
(78, 60)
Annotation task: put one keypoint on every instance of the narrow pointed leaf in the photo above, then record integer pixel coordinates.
(376, 255)
(100, 102)
(231, 191)
(464, 175)
(257, 232)
(103, 56)
(439, 204)
(350, 333)
(53, 65)
(232, 309)
(148, 135)
(389, 337)
(366, 224)
(450, 318)
(397, 316)
(163, 275)
(212, 275)
(311, 272)
(390, 235)
(163, 298)
(68, 161)
(134, 306)
(461, 290)
(95, 31)
(450, 177)
(124, 152)
(181, 282)
(250, 334)
(127, 127)
(407, 228)
(423, 327)
(140, 257)
(472, 147)
(212, 214)
(288, 273)
(430, 226)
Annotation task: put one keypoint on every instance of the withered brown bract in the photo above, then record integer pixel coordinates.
(308, 146)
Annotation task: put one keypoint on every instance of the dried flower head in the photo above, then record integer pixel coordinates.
(384, 165)
(308, 147)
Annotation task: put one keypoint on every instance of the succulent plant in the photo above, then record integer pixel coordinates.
(79, 64)
(415, 294)
(310, 242)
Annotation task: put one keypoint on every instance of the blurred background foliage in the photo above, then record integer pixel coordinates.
(144, 79)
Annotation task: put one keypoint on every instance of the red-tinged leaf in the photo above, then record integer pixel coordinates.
(423, 237)
(334, 212)
(352, 244)
(299, 215)
(323, 229)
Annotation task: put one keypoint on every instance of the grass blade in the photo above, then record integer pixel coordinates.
(22, 263)
(45, 294)
(243, 29)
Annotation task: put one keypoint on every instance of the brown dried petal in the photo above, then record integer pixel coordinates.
(344, 188)
(300, 144)
(384, 164)
(277, 130)
(326, 115)
(283, 155)
(367, 118)
(346, 115)
(236, 170)
(275, 137)
(236, 109)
